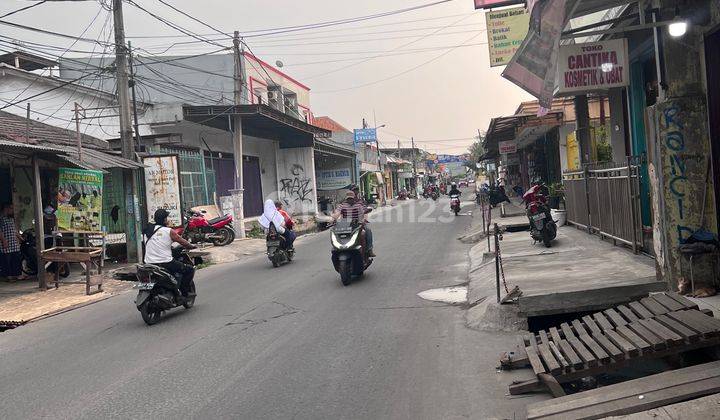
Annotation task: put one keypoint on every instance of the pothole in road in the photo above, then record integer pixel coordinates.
(453, 295)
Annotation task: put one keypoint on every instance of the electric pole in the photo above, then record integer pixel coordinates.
(237, 193)
(414, 162)
(132, 232)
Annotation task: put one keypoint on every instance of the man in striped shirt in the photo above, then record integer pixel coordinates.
(354, 209)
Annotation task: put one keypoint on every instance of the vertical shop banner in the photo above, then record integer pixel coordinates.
(162, 186)
(506, 30)
(593, 66)
(534, 65)
(79, 200)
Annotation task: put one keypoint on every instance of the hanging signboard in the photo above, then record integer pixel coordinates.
(507, 147)
(487, 4)
(365, 135)
(593, 66)
(79, 200)
(506, 30)
(534, 65)
(162, 187)
(333, 179)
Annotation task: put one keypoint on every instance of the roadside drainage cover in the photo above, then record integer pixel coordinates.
(452, 294)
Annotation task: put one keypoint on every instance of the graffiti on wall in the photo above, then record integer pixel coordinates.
(684, 153)
(296, 188)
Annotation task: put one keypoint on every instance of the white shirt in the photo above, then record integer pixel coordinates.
(159, 248)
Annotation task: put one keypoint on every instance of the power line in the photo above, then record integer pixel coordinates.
(401, 73)
(393, 49)
(22, 9)
(43, 31)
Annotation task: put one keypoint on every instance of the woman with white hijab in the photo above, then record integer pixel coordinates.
(272, 215)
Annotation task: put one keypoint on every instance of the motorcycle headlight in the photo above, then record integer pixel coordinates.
(334, 241)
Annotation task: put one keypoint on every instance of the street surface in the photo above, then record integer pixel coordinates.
(264, 343)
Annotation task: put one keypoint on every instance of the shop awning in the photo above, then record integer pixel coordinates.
(522, 128)
(333, 148)
(91, 159)
(258, 120)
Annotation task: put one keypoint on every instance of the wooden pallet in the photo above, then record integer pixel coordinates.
(632, 396)
(657, 326)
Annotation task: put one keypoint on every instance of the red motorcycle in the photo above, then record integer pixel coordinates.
(542, 226)
(197, 229)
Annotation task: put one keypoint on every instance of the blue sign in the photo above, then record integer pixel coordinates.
(365, 135)
(448, 158)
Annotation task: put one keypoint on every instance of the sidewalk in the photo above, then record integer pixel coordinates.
(506, 215)
(579, 273)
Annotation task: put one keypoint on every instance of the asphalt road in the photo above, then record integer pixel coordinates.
(264, 343)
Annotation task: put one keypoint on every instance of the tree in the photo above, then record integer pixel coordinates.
(476, 150)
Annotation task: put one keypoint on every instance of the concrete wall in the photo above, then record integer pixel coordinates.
(57, 107)
(296, 180)
(681, 151)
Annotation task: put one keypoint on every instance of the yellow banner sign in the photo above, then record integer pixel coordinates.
(506, 30)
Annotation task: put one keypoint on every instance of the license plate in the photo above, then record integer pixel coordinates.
(145, 286)
(539, 216)
(273, 243)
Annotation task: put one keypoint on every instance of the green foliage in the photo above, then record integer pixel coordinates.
(256, 232)
(602, 144)
(557, 189)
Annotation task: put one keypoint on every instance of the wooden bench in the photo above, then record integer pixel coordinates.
(87, 256)
(632, 396)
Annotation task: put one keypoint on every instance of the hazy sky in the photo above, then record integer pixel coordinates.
(419, 86)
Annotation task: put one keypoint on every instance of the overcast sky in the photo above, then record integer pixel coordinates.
(423, 89)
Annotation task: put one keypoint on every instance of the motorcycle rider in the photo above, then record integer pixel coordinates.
(159, 238)
(354, 208)
(454, 190)
(289, 234)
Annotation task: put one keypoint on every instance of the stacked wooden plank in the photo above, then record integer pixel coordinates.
(632, 396)
(656, 326)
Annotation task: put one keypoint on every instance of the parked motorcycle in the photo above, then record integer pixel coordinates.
(159, 290)
(542, 226)
(197, 229)
(348, 256)
(455, 204)
(277, 250)
(28, 251)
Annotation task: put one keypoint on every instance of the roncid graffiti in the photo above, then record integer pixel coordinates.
(673, 127)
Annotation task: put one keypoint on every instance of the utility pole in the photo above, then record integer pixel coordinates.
(237, 193)
(132, 233)
(136, 124)
(414, 162)
(78, 135)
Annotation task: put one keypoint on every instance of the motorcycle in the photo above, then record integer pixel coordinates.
(197, 229)
(277, 250)
(455, 204)
(542, 226)
(159, 290)
(434, 195)
(28, 251)
(347, 253)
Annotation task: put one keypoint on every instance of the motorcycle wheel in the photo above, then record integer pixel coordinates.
(190, 301)
(345, 270)
(275, 261)
(27, 268)
(456, 212)
(547, 237)
(227, 236)
(64, 270)
(150, 317)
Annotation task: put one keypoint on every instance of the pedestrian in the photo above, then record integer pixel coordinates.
(10, 257)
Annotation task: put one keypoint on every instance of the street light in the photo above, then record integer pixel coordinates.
(677, 29)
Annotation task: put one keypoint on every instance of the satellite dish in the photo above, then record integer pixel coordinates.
(279, 63)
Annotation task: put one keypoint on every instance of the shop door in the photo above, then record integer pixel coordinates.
(252, 196)
(712, 61)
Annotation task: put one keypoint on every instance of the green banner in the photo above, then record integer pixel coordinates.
(79, 200)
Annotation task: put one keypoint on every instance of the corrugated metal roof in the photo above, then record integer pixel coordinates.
(14, 127)
(92, 159)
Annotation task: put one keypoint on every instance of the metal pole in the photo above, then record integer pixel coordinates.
(632, 204)
(27, 125)
(134, 100)
(586, 173)
(412, 151)
(132, 234)
(237, 193)
(497, 262)
(39, 226)
(78, 137)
